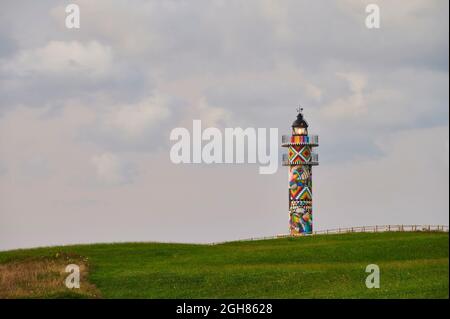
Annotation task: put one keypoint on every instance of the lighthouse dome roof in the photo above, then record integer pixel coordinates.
(300, 121)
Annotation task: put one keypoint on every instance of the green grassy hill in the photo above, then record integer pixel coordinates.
(413, 265)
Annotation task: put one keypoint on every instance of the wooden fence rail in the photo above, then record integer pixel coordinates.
(384, 228)
(361, 229)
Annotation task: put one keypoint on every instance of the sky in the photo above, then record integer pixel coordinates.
(86, 115)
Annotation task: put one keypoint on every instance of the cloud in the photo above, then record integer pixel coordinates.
(90, 59)
(211, 116)
(58, 71)
(352, 105)
(407, 184)
(134, 120)
(82, 112)
(111, 170)
(138, 126)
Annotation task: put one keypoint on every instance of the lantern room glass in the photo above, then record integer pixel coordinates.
(300, 131)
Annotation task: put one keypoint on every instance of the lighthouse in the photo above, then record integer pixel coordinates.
(300, 159)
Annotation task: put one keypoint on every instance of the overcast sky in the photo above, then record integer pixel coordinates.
(85, 116)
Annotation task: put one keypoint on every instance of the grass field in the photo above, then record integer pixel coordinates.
(412, 265)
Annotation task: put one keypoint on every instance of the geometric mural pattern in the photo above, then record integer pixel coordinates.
(300, 199)
(299, 154)
(300, 183)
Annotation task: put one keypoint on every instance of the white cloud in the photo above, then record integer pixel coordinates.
(356, 81)
(110, 169)
(62, 58)
(408, 184)
(77, 109)
(112, 21)
(211, 116)
(133, 120)
(353, 104)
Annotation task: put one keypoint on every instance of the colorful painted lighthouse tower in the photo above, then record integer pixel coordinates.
(300, 159)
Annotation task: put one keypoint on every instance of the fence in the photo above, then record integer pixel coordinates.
(360, 229)
(384, 228)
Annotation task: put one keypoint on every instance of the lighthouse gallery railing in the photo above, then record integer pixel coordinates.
(300, 139)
